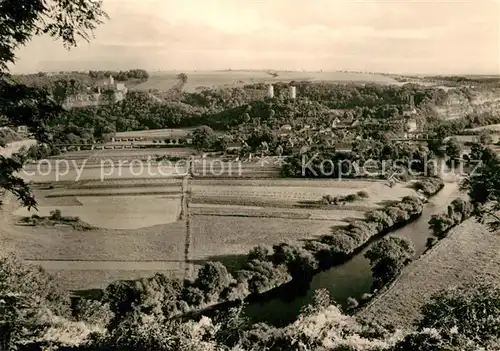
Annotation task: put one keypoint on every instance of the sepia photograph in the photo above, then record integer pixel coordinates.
(250, 175)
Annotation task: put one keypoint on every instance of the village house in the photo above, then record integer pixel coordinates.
(23, 130)
(335, 122)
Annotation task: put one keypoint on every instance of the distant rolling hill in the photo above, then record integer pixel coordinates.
(219, 79)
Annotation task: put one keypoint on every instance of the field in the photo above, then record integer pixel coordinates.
(107, 165)
(118, 212)
(273, 192)
(230, 217)
(92, 259)
(227, 238)
(151, 223)
(468, 254)
(220, 79)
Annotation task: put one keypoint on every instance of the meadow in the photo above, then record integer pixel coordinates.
(220, 79)
(469, 253)
(146, 224)
(92, 259)
(228, 238)
(291, 192)
(228, 217)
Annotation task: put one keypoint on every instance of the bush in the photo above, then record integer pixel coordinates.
(458, 211)
(430, 242)
(335, 200)
(387, 258)
(351, 198)
(362, 194)
(429, 186)
(380, 217)
(55, 215)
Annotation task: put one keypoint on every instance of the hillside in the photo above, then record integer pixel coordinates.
(469, 252)
(460, 102)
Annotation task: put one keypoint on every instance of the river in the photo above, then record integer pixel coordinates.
(353, 278)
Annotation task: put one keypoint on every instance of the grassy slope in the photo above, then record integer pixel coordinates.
(469, 251)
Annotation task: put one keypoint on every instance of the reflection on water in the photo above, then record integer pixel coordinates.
(118, 212)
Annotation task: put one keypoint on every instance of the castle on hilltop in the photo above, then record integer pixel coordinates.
(103, 93)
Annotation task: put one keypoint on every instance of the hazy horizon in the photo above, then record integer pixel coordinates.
(405, 37)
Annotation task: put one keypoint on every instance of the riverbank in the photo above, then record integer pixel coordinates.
(459, 211)
(468, 253)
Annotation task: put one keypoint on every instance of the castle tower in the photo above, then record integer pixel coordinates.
(270, 91)
(293, 93)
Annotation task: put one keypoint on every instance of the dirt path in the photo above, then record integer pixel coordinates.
(185, 215)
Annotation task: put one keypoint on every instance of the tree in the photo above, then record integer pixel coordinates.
(212, 279)
(35, 312)
(279, 150)
(470, 310)
(453, 151)
(182, 78)
(21, 20)
(439, 224)
(485, 137)
(387, 257)
(204, 138)
(483, 185)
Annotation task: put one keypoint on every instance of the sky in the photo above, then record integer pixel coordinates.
(399, 36)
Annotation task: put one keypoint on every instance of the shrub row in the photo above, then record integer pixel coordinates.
(429, 186)
(55, 218)
(458, 211)
(335, 200)
(345, 241)
(264, 268)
